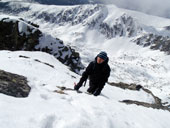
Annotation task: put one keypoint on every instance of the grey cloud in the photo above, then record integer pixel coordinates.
(154, 7)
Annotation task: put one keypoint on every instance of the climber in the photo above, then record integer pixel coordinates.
(98, 72)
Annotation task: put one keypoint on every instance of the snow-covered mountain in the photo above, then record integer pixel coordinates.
(106, 19)
(128, 37)
(61, 2)
(152, 7)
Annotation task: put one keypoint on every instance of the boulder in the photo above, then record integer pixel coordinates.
(13, 84)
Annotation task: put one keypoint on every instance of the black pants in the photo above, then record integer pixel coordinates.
(92, 88)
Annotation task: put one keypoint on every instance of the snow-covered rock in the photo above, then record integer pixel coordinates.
(13, 84)
(156, 42)
(19, 34)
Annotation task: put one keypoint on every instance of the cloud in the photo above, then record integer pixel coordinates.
(154, 7)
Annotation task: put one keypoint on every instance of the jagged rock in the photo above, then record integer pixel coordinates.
(156, 42)
(157, 101)
(66, 16)
(64, 54)
(12, 38)
(29, 22)
(124, 26)
(13, 85)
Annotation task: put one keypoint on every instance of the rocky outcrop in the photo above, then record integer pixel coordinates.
(123, 26)
(157, 101)
(148, 105)
(13, 38)
(65, 54)
(13, 85)
(19, 34)
(156, 42)
(126, 86)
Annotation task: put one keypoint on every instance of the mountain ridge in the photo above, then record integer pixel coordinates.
(96, 17)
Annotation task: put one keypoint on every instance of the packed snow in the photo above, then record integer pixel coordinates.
(44, 108)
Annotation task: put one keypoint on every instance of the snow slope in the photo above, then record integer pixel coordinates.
(44, 108)
(129, 63)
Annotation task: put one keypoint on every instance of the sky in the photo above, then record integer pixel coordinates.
(155, 7)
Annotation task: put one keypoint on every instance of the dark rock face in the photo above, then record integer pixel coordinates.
(68, 59)
(156, 42)
(12, 39)
(13, 85)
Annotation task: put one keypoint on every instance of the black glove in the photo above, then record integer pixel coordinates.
(76, 87)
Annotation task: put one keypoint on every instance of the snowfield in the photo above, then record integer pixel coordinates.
(44, 108)
(130, 63)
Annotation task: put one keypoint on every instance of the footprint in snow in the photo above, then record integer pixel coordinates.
(44, 96)
(48, 121)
